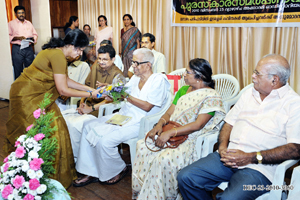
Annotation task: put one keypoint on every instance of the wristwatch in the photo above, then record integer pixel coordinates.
(259, 157)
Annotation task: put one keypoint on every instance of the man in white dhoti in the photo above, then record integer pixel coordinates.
(98, 156)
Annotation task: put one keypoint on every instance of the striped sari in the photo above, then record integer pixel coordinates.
(129, 44)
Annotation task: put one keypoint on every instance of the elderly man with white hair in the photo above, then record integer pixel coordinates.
(98, 157)
(261, 131)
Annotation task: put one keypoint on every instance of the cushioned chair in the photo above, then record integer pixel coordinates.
(146, 123)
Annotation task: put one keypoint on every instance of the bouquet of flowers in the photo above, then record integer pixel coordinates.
(92, 44)
(25, 172)
(116, 90)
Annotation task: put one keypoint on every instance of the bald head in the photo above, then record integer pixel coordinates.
(276, 65)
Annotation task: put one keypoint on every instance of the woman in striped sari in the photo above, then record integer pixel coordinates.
(130, 40)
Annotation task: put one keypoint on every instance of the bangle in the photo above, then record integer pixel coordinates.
(175, 133)
(164, 120)
(93, 108)
(91, 94)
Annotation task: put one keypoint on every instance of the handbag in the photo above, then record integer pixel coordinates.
(173, 142)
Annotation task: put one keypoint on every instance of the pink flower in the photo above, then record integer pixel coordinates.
(36, 163)
(34, 184)
(6, 166)
(28, 197)
(7, 191)
(29, 127)
(5, 160)
(37, 113)
(20, 152)
(18, 181)
(44, 113)
(17, 143)
(39, 136)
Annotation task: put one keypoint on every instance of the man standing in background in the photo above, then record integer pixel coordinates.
(19, 30)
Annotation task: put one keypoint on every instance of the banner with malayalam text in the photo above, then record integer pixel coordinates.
(236, 13)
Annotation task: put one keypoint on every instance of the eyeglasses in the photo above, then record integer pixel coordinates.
(186, 71)
(136, 63)
(258, 74)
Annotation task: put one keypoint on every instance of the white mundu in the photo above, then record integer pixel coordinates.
(98, 154)
(159, 64)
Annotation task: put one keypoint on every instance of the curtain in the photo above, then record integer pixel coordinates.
(10, 5)
(234, 51)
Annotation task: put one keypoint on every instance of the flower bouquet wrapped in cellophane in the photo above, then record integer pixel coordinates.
(25, 172)
(117, 90)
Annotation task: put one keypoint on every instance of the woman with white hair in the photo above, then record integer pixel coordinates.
(98, 156)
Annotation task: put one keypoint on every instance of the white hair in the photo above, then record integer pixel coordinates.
(278, 69)
(147, 54)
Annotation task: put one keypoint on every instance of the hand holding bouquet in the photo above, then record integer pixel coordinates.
(116, 90)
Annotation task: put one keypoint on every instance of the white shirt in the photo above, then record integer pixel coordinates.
(261, 125)
(118, 62)
(159, 64)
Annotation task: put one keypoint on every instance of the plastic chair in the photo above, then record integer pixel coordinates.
(179, 72)
(228, 87)
(208, 144)
(295, 183)
(146, 123)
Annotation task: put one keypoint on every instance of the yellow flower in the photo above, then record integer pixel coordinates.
(101, 91)
(109, 88)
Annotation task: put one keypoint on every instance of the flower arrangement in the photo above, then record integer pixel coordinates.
(92, 44)
(24, 174)
(116, 90)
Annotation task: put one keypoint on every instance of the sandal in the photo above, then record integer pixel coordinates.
(89, 179)
(121, 176)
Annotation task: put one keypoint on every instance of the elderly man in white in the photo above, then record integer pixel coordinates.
(98, 156)
(159, 65)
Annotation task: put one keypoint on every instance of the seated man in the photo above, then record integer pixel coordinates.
(103, 71)
(261, 131)
(159, 65)
(77, 71)
(89, 53)
(98, 156)
(118, 61)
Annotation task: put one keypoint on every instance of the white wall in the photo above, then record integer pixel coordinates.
(40, 11)
(6, 75)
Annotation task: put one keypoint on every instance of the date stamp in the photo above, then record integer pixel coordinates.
(267, 187)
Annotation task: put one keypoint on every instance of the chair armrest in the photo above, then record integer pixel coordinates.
(109, 108)
(279, 178)
(208, 144)
(148, 122)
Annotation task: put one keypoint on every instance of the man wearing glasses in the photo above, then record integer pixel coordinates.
(261, 131)
(102, 72)
(20, 29)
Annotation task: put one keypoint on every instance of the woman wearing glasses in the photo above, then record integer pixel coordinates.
(48, 74)
(199, 109)
(98, 156)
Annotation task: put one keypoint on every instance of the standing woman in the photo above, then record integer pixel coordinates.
(48, 74)
(130, 40)
(72, 24)
(103, 32)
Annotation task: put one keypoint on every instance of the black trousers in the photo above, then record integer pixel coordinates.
(21, 58)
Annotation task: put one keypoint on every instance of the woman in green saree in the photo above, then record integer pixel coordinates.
(199, 109)
(48, 74)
